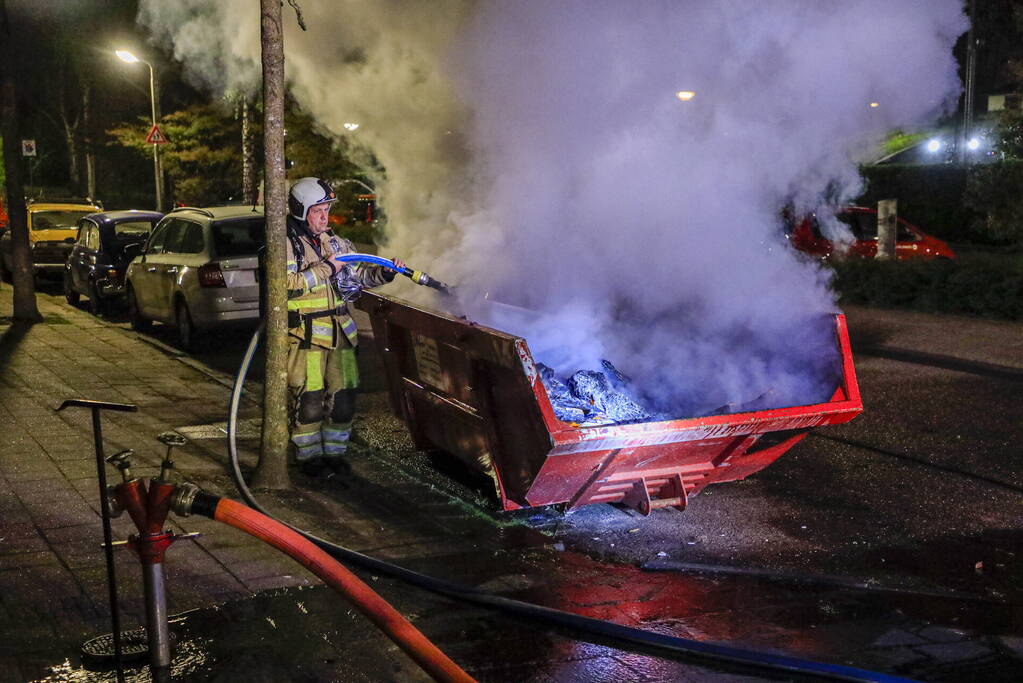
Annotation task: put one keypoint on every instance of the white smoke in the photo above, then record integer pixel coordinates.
(537, 151)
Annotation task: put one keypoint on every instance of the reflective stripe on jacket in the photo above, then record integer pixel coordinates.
(310, 291)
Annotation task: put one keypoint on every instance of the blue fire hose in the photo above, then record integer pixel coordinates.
(417, 276)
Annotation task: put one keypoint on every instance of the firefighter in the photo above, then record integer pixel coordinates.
(322, 373)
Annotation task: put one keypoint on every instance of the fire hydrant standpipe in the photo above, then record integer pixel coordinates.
(148, 504)
(334, 574)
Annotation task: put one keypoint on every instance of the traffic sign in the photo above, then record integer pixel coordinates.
(156, 136)
(28, 148)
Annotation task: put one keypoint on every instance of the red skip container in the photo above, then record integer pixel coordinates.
(474, 392)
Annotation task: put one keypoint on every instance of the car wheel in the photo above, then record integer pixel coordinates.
(70, 294)
(188, 338)
(96, 304)
(138, 323)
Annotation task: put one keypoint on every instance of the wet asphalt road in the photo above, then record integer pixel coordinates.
(924, 489)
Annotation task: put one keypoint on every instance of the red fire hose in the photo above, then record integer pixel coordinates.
(397, 628)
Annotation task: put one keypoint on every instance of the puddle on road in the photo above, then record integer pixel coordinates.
(312, 634)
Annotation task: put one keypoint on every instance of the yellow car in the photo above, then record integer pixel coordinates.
(52, 227)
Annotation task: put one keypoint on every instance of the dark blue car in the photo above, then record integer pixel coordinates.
(105, 245)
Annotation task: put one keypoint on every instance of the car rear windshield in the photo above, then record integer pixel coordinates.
(57, 220)
(240, 237)
(130, 229)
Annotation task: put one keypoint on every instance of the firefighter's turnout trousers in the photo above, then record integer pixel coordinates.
(322, 373)
(322, 384)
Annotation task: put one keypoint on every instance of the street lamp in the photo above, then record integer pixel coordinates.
(130, 58)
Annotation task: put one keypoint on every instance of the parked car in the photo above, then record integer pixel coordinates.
(198, 271)
(52, 227)
(910, 241)
(105, 244)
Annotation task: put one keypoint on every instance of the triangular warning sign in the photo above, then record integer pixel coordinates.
(156, 136)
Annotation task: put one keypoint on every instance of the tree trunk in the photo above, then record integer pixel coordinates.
(71, 131)
(25, 309)
(272, 470)
(90, 156)
(74, 173)
(248, 157)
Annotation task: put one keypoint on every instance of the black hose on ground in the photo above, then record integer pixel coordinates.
(660, 644)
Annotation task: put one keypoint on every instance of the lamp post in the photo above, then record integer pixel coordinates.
(130, 58)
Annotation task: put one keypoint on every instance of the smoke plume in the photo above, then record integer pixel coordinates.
(537, 151)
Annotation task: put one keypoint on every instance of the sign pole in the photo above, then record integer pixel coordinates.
(156, 147)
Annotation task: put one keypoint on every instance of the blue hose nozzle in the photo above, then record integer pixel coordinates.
(418, 276)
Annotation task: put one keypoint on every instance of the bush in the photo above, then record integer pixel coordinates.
(986, 286)
(995, 193)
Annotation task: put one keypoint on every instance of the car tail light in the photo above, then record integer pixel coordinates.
(114, 274)
(210, 275)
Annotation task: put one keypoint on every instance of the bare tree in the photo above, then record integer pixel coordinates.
(70, 123)
(272, 471)
(87, 145)
(248, 155)
(25, 309)
(65, 108)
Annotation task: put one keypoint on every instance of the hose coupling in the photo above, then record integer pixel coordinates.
(183, 498)
(422, 278)
(188, 499)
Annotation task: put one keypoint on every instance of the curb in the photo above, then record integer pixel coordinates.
(252, 388)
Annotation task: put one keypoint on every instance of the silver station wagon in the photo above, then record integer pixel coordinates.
(198, 271)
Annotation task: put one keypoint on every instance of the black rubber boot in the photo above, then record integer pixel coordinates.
(339, 465)
(313, 468)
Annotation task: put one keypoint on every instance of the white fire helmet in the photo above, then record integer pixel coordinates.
(307, 193)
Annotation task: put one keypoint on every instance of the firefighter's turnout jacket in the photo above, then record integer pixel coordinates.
(316, 314)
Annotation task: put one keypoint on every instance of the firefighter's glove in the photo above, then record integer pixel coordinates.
(389, 274)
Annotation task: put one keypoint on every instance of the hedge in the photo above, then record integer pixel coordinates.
(963, 204)
(991, 287)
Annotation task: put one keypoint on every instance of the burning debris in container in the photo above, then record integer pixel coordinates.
(592, 397)
(801, 368)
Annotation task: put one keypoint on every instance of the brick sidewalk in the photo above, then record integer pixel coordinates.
(53, 591)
